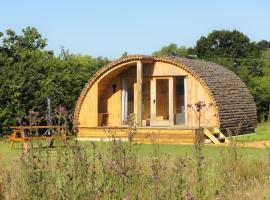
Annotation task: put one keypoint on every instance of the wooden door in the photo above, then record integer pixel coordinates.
(162, 99)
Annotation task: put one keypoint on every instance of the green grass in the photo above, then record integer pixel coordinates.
(74, 172)
(145, 151)
(7, 156)
(262, 133)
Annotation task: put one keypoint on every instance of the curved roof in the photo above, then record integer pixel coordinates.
(235, 105)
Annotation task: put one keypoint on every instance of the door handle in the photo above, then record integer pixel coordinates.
(154, 101)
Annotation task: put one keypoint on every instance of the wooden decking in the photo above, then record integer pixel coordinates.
(150, 135)
(166, 135)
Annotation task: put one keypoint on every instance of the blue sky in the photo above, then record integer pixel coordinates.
(109, 28)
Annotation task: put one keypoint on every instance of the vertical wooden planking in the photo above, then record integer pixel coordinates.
(194, 92)
(186, 98)
(89, 109)
(153, 98)
(114, 103)
(139, 93)
(135, 107)
(124, 100)
(171, 94)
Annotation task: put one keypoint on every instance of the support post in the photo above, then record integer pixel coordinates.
(139, 94)
(124, 101)
(171, 100)
(186, 100)
(153, 95)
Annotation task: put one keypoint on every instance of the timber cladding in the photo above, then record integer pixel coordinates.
(235, 105)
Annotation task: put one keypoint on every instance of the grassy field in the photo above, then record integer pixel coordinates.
(117, 170)
(262, 134)
(8, 156)
(146, 150)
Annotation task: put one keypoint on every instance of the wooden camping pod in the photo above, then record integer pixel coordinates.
(151, 87)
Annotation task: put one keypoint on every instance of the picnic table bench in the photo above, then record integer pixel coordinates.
(26, 134)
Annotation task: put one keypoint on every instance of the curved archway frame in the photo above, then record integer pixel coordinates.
(134, 59)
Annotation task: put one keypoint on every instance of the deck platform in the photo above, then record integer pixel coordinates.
(164, 135)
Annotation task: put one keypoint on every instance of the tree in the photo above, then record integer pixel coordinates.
(24, 64)
(263, 44)
(260, 89)
(235, 51)
(173, 50)
(29, 74)
(228, 44)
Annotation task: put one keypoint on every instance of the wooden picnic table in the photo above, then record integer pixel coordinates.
(25, 134)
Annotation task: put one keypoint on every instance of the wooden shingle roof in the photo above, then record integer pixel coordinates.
(235, 105)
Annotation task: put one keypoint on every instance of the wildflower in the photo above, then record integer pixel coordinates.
(22, 156)
(199, 105)
(188, 196)
(127, 197)
(112, 190)
(61, 109)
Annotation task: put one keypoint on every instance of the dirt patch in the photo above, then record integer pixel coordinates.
(256, 144)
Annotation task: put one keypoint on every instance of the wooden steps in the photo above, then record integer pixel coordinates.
(215, 136)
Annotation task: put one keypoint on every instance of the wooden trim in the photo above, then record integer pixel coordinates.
(171, 100)
(211, 136)
(186, 98)
(162, 77)
(124, 101)
(153, 96)
(139, 93)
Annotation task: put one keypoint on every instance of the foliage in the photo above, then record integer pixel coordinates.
(235, 51)
(173, 50)
(224, 43)
(118, 171)
(30, 73)
(264, 44)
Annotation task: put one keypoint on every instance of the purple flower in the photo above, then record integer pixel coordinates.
(22, 156)
(188, 196)
(199, 105)
(127, 197)
(61, 109)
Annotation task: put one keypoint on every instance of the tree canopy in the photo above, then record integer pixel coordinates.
(173, 50)
(228, 44)
(29, 74)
